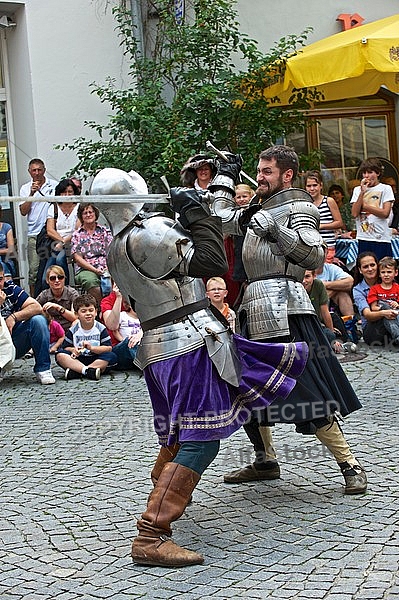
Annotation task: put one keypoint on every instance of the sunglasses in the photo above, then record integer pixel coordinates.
(55, 277)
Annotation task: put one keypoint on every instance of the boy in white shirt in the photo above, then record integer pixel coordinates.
(86, 350)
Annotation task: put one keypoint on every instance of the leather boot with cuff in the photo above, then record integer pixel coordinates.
(154, 545)
(166, 454)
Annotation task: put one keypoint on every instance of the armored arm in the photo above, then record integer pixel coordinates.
(207, 257)
(223, 190)
(299, 240)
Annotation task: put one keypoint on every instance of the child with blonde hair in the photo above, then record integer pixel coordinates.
(216, 291)
(244, 193)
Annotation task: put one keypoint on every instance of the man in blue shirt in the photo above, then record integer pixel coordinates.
(338, 285)
(28, 327)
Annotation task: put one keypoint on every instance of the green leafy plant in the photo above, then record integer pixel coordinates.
(311, 161)
(200, 80)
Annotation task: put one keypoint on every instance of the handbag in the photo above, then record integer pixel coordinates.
(43, 241)
(7, 350)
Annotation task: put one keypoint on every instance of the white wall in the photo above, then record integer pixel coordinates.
(268, 21)
(57, 50)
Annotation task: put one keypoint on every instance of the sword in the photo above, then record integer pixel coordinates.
(220, 154)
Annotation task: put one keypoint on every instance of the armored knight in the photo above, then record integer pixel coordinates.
(203, 381)
(282, 239)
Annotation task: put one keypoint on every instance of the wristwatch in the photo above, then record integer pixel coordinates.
(61, 310)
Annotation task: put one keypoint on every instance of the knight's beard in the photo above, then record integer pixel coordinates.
(265, 191)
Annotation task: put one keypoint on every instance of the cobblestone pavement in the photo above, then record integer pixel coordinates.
(76, 458)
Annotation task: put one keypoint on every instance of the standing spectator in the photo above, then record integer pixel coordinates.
(7, 249)
(78, 184)
(86, 350)
(62, 220)
(371, 207)
(28, 327)
(36, 213)
(123, 326)
(198, 172)
(58, 298)
(336, 192)
(236, 277)
(373, 322)
(331, 222)
(89, 246)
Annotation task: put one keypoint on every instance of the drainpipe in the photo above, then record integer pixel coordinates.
(137, 20)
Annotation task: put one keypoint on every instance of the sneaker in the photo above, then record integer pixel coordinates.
(70, 374)
(45, 377)
(350, 347)
(29, 354)
(93, 374)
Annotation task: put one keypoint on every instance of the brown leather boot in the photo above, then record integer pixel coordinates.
(166, 454)
(166, 503)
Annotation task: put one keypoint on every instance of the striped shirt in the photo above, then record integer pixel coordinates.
(328, 235)
(15, 298)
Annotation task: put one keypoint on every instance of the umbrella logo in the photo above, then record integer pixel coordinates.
(394, 53)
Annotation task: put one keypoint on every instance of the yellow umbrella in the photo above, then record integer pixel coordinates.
(352, 63)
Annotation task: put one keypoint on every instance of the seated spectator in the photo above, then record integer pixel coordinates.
(331, 223)
(216, 291)
(57, 334)
(62, 220)
(320, 301)
(86, 349)
(123, 326)
(89, 246)
(28, 327)
(385, 295)
(373, 322)
(7, 249)
(58, 298)
(338, 285)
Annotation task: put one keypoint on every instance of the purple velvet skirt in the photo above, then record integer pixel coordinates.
(192, 403)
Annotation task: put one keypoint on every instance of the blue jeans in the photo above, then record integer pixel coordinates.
(33, 333)
(125, 355)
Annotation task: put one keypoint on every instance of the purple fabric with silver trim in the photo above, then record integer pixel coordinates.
(192, 403)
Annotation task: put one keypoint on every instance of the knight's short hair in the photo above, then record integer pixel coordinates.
(285, 157)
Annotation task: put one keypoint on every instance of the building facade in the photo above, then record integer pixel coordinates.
(51, 52)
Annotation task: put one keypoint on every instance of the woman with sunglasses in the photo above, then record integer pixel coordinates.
(57, 300)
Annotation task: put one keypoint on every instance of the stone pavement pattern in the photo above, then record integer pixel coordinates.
(76, 458)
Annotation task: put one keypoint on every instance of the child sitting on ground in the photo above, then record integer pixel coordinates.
(216, 291)
(385, 295)
(86, 350)
(57, 333)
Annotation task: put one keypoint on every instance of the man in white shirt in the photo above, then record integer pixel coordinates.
(36, 212)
